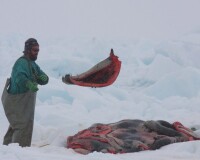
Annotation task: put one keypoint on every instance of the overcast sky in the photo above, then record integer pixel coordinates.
(111, 18)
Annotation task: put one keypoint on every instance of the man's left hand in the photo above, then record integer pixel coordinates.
(43, 77)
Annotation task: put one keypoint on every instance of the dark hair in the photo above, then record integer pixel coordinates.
(29, 43)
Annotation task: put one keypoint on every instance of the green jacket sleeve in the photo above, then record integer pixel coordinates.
(37, 73)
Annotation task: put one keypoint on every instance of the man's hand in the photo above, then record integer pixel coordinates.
(43, 78)
(32, 86)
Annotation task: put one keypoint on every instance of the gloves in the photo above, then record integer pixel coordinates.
(32, 86)
(43, 78)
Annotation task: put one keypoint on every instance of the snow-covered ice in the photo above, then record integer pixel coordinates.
(158, 44)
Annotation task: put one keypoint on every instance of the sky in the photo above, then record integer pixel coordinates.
(108, 18)
(158, 43)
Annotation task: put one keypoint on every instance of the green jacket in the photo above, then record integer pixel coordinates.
(24, 70)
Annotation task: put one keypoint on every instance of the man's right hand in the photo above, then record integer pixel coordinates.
(32, 86)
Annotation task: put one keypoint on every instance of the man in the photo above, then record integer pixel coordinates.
(20, 97)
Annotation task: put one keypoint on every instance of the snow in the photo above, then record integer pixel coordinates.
(158, 44)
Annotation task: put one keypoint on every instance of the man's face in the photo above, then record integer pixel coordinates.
(34, 52)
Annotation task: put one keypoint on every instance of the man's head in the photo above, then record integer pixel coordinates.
(31, 49)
